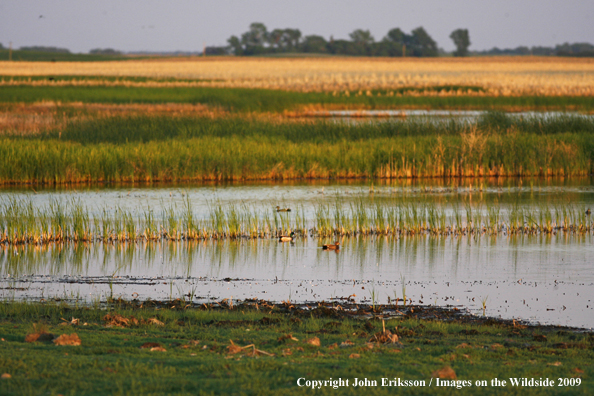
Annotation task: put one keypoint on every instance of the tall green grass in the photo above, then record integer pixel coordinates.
(153, 149)
(64, 221)
(125, 129)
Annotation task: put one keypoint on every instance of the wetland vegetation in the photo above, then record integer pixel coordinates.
(155, 148)
(22, 222)
(250, 125)
(95, 125)
(123, 91)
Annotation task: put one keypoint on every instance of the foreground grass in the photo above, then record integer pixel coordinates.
(198, 358)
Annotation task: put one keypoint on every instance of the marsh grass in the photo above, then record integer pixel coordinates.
(278, 101)
(62, 221)
(162, 148)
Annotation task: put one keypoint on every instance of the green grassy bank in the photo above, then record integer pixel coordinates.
(262, 100)
(162, 148)
(198, 351)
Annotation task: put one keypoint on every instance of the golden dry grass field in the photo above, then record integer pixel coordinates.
(22, 119)
(508, 76)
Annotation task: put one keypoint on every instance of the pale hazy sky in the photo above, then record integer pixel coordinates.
(134, 25)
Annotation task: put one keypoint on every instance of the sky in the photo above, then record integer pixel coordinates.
(185, 25)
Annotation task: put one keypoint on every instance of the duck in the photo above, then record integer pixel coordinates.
(336, 246)
(588, 212)
(279, 209)
(285, 238)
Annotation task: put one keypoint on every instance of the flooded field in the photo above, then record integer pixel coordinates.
(539, 275)
(435, 116)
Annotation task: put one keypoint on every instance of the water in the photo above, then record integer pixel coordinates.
(540, 278)
(266, 196)
(469, 116)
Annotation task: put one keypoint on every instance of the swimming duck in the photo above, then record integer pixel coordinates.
(336, 246)
(284, 238)
(279, 209)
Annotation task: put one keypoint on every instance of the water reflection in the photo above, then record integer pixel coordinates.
(542, 277)
(423, 258)
(266, 196)
(432, 116)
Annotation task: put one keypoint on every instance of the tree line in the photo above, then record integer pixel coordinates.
(418, 43)
(259, 41)
(566, 49)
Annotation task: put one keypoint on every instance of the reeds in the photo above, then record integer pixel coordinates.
(71, 221)
(156, 149)
(407, 219)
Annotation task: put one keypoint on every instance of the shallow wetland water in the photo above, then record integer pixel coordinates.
(541, 278)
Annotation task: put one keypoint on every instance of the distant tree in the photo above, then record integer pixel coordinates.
(342, 47)
(542, 51)
(522, 50)
(104, 51)
(216, 51)
(291, 38)
(275, 38)
(284, 39)
(362, 42)
(257, 36)
(506, 51)
(314, 44)
(256, 40)
(235, 45)
(46, 49)
(575, 49)
(1, 46)
(396, 42)
(422, 44)
(360, 36)
(461, 40)
(397, 36)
